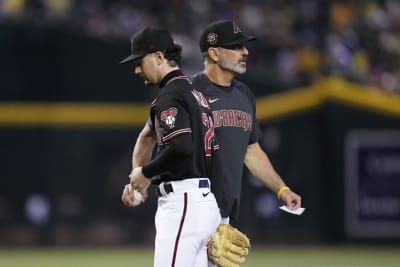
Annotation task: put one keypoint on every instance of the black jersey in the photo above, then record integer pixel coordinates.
(182, 120)
(235, 127)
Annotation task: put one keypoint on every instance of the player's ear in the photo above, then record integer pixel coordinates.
(159, 57)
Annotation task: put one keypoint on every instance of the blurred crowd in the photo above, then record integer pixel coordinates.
(298, 40)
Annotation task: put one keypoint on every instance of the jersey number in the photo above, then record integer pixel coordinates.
(209, 135)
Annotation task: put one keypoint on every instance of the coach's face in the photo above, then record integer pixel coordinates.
(233, 58)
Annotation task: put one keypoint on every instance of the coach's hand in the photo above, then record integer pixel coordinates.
(139, 182)
(291, 199)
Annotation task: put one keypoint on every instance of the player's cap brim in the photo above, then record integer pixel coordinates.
(133, 57)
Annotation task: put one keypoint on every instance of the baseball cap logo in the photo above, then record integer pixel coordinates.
(212, 38)
(235, 28)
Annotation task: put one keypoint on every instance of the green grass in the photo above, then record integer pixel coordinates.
(324, 256)
(259, 257)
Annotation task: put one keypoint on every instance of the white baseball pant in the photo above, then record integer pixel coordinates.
(185, 221)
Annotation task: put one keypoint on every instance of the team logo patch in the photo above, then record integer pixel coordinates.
(169, 117)
(212, 38)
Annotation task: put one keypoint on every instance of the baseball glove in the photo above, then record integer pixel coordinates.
(228, 247)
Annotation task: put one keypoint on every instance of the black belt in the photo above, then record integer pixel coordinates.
(168, 187)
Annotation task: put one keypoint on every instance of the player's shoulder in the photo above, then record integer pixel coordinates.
(176, 87)
(197, 77)
(242, 87)
(239, 85)
(178, 91)
(200, 81)
(169, 94)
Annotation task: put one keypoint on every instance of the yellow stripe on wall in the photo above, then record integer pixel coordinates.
(295, 101)
(23, 114)
(366, 97)
(73, 114)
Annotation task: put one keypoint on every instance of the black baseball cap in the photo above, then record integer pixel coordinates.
(149, 40)
(222, 33)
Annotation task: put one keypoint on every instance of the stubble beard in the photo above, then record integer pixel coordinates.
(147, 82)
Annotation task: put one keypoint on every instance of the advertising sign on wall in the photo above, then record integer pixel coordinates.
(372, 181)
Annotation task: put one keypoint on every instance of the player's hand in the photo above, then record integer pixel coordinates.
(291, 199)
(139, 182)
(128, 196)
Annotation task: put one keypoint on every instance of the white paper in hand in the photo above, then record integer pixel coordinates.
(298, 211)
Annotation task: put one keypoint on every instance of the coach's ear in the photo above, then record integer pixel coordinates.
(213, 53)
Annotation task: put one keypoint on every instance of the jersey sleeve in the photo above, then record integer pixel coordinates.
(150, 123)
(173, 130)
(171, 117)
(178, 148)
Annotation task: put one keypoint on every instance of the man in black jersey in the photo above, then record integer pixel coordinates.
(182, 126)
(223, 46)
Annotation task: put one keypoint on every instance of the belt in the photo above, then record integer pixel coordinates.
(167, 187)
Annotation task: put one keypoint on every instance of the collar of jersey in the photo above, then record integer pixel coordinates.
(173, 75)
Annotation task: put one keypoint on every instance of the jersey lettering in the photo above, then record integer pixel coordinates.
(234, 118)
(246, 121)
(209, 135)
(237, 115)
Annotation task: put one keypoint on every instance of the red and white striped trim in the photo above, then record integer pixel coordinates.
(177, 78)
(175, 133)
(153, 103)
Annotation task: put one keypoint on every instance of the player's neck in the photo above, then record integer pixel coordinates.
(218, 76)
(167, 69)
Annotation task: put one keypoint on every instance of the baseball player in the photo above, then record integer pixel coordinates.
(182, 125)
